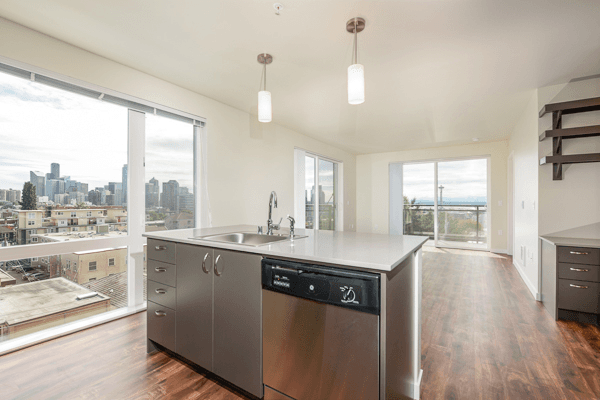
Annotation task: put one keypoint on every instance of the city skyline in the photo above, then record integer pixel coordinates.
(39, 122)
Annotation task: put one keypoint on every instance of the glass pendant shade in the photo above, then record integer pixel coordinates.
(356, 84)
(265, 112)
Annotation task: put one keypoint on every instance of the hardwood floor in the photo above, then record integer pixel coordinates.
(484, 337)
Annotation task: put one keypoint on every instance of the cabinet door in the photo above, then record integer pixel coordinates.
(237, 319)
(194, 304)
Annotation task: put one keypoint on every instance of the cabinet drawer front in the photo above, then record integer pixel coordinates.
(161, 250)
(579, 296)
(161, 325)
(162, 273)
(579, 272)
(579, 255)
(162, 294)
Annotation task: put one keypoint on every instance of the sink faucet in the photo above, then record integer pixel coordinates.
(270, 224)
(292, 223)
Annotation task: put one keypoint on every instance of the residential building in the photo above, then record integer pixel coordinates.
(29, 223)
(181, 220)
(85, 266)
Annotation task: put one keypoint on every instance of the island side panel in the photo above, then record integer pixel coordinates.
(549, 278)
(400, 330)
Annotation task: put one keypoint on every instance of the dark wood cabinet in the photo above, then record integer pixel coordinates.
(571, 282)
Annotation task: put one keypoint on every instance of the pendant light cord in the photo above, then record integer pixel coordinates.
(355, 41)
(265, 74)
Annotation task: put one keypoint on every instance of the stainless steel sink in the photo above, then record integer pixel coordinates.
(246, 238)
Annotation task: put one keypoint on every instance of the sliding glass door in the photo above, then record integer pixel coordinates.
(443, 200)
(462, 204)
(317, 192)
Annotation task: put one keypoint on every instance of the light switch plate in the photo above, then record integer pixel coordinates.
(499, 203)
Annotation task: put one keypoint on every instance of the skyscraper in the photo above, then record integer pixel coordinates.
(152, 193)
(169, 195)
(124, 183)
(38, 179)
(55, 170)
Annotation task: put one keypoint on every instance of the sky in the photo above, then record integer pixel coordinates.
(462, 179)
(40, 125)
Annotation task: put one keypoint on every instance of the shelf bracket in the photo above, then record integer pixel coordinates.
(557, 145)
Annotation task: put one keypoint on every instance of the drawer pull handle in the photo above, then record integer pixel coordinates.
(579, 269)
(579, 253)
(160, 313)
(160, 269)
(159, 248)
(579, 287)
(160, 291)
(206, 271)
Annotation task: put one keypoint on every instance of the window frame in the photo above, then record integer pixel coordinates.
(90, 266)
(113, 262)
(300, 187)
(133, 240)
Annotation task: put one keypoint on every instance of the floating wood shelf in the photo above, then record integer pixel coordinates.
(572, 159)
(572, 107)
(572, 133)
(557, 133)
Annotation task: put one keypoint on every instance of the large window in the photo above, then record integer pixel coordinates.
(169, 186)
(72, 166)
(318, 194)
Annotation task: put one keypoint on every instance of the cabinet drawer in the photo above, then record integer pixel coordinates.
(579, 296)
(161, 325)
(579, 255)
(162, 294)
(162, 273)
(161, 250)
(579, 272)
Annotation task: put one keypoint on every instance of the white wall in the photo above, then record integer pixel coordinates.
(372, 184)
(246, 159)
(575, 200)
(523, 145)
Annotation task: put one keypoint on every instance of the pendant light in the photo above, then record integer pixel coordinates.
(265, 110)
(356, 72)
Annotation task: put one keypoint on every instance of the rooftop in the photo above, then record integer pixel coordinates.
(6, 279)
(21, 303)
(67, 236)
(114, 286)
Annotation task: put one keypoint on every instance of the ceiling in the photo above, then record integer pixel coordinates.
(438, 72)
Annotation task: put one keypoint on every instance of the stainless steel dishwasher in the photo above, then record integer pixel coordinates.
(320, 332)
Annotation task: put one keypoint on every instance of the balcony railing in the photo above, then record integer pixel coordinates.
(456, 222)
(326, 216)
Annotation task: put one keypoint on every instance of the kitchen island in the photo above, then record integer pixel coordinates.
(205, 303)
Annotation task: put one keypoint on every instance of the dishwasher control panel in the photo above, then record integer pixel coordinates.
(344, 288)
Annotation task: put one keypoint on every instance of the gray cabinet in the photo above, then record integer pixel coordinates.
(194, 304)
(238, 319)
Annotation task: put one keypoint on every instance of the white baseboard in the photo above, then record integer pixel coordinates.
(499, 251)
(528, 283)
(417, 386)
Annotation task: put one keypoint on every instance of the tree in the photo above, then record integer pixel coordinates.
(29, 197)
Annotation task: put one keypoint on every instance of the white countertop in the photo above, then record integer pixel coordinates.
(583, 236)
(368, 251)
